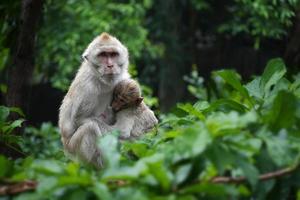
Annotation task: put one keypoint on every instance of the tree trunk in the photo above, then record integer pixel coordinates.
(22, 66)
(20, 71)
(292, 52)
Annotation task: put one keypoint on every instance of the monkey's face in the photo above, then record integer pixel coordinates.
(126, 94)
(109, 62)
(122, 102)
(107, 55)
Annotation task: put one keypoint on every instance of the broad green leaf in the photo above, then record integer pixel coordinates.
(109, 146)
(182, 173)
(263, 188)
(161, 173)
(221, 157)
(4, 112)
(3, 88)
(274, 71)
(278, 149)
(232, 79)
(249, 171)
(101, 191)
(220, 124)
(9, 128)
(209, 189)
(223, 104)
(79, 179)
(17, 110)
(283, 114)
(201, 105)
(194, 140)
(5, 166)
(47, 184)
(132, 193)
(254, 88)
(191, 110)
(48, 166)
(139, 149)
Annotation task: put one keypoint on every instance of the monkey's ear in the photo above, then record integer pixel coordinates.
(83, 57)
(139, 101)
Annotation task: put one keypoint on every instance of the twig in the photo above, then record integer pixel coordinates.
(14, 188)
(263, 177)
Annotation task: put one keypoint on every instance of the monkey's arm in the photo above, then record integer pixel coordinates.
(124, 124)
(108, 116)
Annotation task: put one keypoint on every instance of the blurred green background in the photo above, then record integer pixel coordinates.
(238, 122)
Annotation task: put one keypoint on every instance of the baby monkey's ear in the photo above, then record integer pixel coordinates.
(139, 100)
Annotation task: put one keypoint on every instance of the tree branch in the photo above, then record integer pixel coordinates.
(14, 188)
(263, 177)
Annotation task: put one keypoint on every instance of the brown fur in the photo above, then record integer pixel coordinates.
(105, 36)
(126, 94)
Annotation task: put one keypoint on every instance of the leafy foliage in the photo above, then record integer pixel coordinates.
(260, 19)
(7, 126)
(62, 42)
(249, 131)
(36, 139)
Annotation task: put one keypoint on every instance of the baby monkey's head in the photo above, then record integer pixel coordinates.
(126, 94)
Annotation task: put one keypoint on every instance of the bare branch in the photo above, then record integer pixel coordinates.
(263, 177)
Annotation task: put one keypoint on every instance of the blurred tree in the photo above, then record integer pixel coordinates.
(176, 35)
(260, 19)
(70, 25)
(22, 63)
(9, 17)
(292, 52)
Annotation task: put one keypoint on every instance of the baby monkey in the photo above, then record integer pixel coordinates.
(128, 113)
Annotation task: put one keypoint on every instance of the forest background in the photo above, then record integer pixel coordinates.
(232, 119)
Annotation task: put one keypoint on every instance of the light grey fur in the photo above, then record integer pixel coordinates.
(89, 95)
(133, 122)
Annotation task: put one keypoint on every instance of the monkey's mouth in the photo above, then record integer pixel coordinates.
(111, 72)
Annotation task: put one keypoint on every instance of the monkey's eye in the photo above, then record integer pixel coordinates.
(114, 54)
(102, 54)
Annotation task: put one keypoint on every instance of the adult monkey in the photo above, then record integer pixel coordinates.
(105, 63)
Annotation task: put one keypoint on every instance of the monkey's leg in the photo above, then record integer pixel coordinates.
(84, 143)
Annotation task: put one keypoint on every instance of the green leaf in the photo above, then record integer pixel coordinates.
(17, 110)
(283, 113)
(139, 149)
(159, 171)
(48, 166)
(254, 88)
(3, 88)
(193, 141)
(9, 128)
(5, 165)
(182, 173)
(232, 78)
(210, 190)
(274, 71)
(111, 155)
(220, 124)
(191, 110)
(223, 104)
(278, 149)
(221, 157)
(4, 112)
(249, 171)
(101, 191)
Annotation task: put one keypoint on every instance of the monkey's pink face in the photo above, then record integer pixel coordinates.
(109, 62)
